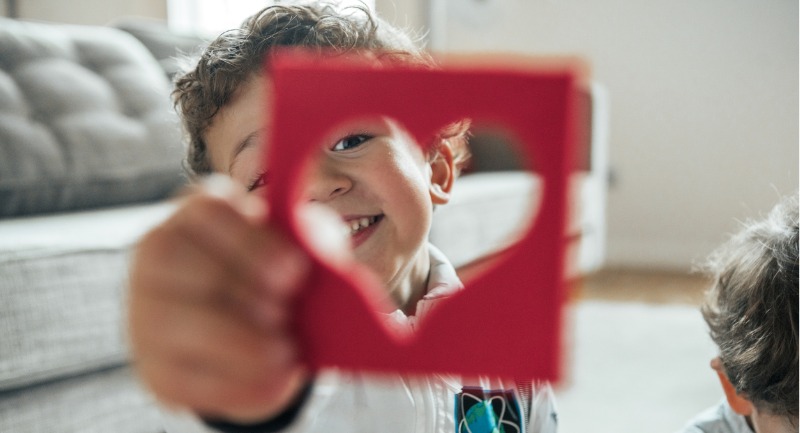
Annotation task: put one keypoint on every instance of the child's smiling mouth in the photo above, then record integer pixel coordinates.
(358, 224)
(360, 228)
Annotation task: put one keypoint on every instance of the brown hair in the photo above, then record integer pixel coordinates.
(752, 310)
(229, 60)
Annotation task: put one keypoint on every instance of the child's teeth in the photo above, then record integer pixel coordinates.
(360, 223)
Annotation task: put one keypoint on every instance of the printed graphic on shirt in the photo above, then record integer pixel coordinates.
(481, 411)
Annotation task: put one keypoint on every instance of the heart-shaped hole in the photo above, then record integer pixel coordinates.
(398, 203)
(464, 190)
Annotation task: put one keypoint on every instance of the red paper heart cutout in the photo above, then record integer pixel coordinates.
(507, 322)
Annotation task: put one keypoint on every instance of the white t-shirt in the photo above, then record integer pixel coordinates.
(718, 419)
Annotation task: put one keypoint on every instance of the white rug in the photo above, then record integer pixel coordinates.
(635, 367)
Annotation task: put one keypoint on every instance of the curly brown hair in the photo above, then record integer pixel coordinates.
(233, 57)
(752, 310)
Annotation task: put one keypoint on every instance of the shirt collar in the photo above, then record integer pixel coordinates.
(442, 282)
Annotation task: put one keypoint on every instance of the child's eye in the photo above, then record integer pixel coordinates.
(350, 142)
(259, 181)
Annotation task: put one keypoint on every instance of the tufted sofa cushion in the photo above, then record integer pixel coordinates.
(85, 120)
(167, 46)
(63, 281)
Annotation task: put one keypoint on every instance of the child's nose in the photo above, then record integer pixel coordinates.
(326, 183)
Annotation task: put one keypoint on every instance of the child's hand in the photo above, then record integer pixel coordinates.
(210, 307)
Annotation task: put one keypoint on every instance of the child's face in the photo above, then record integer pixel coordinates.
(373, 175)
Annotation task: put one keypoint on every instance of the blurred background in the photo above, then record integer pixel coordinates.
(703, 97)
(700, 124)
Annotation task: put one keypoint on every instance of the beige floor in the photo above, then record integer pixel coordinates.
(652, 287)
(637, 354)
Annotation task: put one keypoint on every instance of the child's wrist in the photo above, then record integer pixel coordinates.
(273, 424)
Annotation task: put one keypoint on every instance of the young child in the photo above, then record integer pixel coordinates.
(212, 287)
(751, 311)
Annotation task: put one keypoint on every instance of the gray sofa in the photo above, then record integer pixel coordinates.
(89, 151)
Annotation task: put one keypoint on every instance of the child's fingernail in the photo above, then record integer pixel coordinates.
(219, 186)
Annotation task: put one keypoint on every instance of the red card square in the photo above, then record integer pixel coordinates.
(507, 321)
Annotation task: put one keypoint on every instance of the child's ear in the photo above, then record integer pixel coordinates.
(443, 173)
(738, 403)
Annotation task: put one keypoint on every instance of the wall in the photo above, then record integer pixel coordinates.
(704, 104)
(88, 11)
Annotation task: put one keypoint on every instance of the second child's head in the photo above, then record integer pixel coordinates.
(371, 173)
(752, 313)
